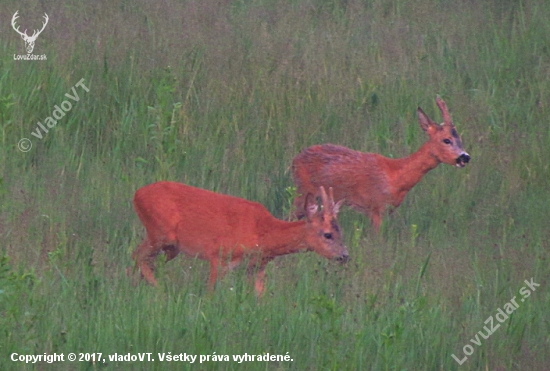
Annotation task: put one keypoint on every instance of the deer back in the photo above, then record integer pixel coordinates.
(358, 178)
(200, 221)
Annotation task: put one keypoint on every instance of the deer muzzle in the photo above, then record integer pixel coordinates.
(343, 259)
(462, 160)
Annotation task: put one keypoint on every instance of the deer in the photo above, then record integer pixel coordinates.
(225, 230)
(29, 40)
(370, 182)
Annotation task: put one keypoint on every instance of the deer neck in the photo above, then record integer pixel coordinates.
(283, 238)
(410, 170)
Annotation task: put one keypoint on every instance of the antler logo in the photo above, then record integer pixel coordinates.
(29, 40)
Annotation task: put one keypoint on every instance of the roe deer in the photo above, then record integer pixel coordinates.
(225, 230)
(369, 182)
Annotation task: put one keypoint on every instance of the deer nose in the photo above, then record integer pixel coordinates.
(343, 259)
(465, 157)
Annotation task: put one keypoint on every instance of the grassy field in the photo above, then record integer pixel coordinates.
(222, 95)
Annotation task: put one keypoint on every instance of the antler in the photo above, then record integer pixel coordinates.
(43, 26)
(24, 34)
(324, 199)
(328, 201)
(447, 119)
(15, 16)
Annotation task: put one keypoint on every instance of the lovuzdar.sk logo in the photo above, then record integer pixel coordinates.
(29, 40)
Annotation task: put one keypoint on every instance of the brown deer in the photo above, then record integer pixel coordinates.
(225, 230)
(369, 182)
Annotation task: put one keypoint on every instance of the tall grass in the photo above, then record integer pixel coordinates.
(222, 95)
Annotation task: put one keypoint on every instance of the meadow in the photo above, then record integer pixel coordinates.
(222, 95)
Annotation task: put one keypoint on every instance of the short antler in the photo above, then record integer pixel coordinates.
(447, 119)
(328, 201)
(327, 204)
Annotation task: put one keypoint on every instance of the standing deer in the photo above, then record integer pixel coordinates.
(369, 182)
(225, 230)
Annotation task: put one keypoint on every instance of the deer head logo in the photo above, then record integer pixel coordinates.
(29, 40)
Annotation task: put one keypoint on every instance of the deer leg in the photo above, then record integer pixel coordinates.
(144, 256)
(218, 269)
(259, 283)
(376, 218)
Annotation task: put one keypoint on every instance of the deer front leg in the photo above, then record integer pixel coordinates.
(218, 269)
(259, 283)
(376, 219)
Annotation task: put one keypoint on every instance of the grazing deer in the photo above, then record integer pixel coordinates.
(225, 230)
(369, 182)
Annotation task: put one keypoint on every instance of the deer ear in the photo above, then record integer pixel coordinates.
(311, 206)
(426, 123)
(447, 119)
(337, 206)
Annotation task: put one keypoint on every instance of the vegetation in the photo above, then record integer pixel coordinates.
(222, 95)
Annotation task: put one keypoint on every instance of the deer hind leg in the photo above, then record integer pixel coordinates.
(144, 257)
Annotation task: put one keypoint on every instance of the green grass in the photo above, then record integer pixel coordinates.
(222, 95)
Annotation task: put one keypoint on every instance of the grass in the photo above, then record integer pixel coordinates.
(222, 95)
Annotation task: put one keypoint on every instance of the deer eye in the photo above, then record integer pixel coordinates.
(446, 141)
(328, 236)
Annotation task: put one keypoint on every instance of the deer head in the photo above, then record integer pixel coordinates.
(29, 40)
